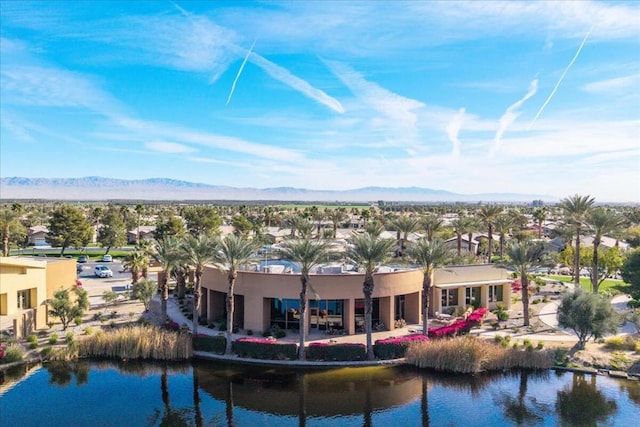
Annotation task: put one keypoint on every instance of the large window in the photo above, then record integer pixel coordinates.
(449, 297)
(322, 314)
(495, 293)
(472, 297)
(359, 314)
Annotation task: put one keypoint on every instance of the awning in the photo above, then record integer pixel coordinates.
(471, 284)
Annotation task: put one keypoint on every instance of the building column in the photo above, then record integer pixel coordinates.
(386, 312)
(436, 300)
(412, 304)
(461, 297)
(484, 296)
(349, 316)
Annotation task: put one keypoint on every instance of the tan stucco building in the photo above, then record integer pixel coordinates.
(266, 299)
(26, 283)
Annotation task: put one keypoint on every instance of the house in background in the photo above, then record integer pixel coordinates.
(37, 235)
(146, 232)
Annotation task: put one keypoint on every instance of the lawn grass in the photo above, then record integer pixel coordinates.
(609, 285)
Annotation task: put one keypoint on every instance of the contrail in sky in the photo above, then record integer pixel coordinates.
(560, 80)
(233, 86)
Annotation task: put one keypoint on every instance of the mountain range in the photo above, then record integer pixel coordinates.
(99, 188)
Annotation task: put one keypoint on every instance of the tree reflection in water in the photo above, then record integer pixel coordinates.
(522, 410)
(170, 416)
(62, 372)
(582, 404)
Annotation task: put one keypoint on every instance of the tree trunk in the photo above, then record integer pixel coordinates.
(490, 249)
(368, 309)
(426, 286)
(459, 243)
(594, 266)
(576, 260)
(164, 287)
(525, 297)
(303, 316)
(196, 303)
(231, 277)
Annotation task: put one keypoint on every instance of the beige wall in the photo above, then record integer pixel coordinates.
(61, 273)
(19, 275)
(258, 288)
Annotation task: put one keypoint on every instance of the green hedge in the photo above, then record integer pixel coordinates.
(256, 348)
(336, 352)
(211, 344)
(395, 347)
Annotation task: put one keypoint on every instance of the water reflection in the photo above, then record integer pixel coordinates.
(61, 373)
(582, 404)
(523, 409)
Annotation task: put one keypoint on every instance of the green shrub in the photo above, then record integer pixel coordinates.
(337, 352)
(78, 321)
(502, 340)
(88, 331)
(622, 343)
(33, 345)
(69, 336)
(540, 345)
(528, 345)
(32, 338)
(45, 352)
(209, 344)
(275, 331)
(264, 349)
(13, 353)
(53, 339)
(249, 332)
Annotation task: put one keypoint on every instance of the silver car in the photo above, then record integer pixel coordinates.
(102, 271)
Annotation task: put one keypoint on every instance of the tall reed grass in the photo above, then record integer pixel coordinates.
(472, 355)
(137, 342)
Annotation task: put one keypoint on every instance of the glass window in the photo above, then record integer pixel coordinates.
(472, 296)
(449, 297)
(495, 293)
(24, 299)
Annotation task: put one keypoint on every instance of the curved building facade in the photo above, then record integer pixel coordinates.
(336, 301)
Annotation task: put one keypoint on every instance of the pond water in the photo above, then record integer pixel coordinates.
(207, 393)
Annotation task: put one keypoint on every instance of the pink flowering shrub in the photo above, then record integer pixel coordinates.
(461, 326)
(1, 351)
(395, 347)
(264, 348)
(336, 352)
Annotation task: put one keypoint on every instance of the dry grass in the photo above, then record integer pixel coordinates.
(137, 342)
(472, 355)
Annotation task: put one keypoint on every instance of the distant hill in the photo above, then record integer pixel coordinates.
(98, 188)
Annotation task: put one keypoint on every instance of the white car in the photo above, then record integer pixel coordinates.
(107, 258)
(102, 271)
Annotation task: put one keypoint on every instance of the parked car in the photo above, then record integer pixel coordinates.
(83, 258)
(79, 269)
(107, 258)
(102, 271)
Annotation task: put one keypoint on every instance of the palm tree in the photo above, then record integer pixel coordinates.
(234, 251)
(368, 252)
(336, 216)
(197, 252)
(136, 262)
(429, 255)
(503, 225)
(540, 215)
(431, 224)
(602, 222)
(488, 215)
(139, 211)
(167, 252)
(404, 225)
(522, 257)
(308, 254)
(460, 225)
(374, 228)
(575, 209)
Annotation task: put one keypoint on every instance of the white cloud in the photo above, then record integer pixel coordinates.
(453, 128)
(168, 147)
(618, 84)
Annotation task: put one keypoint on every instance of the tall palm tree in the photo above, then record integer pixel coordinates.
(307, 254)
(575, 209)
(488, 215)
(167, 252)
(540, 215)
(503, 225)
(522, 257)
(602, 221)
(336, 216)
(431, 224)
(404, 225)
(139, 211)
(368, 252)
(198, 252)
(374, 228)
(234, 251)
(460, 226)
(428, 255)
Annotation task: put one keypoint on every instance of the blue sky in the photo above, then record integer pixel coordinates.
(527, 97)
